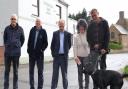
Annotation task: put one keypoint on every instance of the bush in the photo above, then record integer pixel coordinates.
(125, 70)
(115, 45)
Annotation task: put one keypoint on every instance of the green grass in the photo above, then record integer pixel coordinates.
(115, 46)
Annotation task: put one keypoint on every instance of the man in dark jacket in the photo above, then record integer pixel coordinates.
(98, 36)
(60, 45)
(37, 43)
(13, 41)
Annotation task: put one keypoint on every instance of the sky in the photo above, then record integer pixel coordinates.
(108, 9)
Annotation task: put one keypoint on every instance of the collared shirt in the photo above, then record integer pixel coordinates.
(61, 50)
(37, 32)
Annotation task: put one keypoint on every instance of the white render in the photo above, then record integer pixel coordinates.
(6, 9)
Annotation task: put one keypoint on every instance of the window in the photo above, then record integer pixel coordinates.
(58, 11)
(35, 8)
(112, 35)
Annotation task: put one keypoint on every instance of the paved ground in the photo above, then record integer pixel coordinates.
(114, 62)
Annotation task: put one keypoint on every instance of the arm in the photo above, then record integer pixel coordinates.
(53, 44)
(22, 38)
(70, 40)
(5, 36)
(87, 36)
(75, 47)
(75, 50)
(45, 41)
(106, 36)
(29, 41)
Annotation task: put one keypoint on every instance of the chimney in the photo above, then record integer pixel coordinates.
(121, 15)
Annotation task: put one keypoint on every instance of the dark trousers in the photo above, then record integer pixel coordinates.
(80, 75)
(40, 66)
(103, 61)
(62, 62)
(8, 61)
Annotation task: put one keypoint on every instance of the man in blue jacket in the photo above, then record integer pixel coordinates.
(37, 43)
(13, 41)
(60, 45)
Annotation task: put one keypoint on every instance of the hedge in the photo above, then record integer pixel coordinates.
(115, 46)
(125, 70)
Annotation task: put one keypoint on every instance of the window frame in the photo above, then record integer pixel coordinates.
(38, 9)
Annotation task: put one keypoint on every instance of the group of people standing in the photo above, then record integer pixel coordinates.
(91, 37)
(94, 35)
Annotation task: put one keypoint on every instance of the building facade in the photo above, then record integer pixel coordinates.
(119, 31)
(50, 11)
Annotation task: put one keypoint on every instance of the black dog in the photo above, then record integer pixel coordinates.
(104, 78)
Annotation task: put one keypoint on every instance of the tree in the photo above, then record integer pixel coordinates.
(79, 15)
(70, 16)
(84, 14)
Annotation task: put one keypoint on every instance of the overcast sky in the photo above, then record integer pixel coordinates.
(108, 9)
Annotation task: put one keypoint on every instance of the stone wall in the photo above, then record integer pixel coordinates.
(117, 37)
(125, 41)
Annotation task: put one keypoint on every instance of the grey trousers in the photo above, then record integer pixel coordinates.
(80, 76)
(61, 61)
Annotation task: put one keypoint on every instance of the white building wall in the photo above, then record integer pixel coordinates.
(72, 26)
(27, 21)
(64, 14)
(49, 19)
(23, 8)
(72, 29)
(7, 8)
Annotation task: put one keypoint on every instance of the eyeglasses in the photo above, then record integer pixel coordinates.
(13, 19)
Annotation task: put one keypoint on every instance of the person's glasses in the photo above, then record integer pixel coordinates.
(13, 19)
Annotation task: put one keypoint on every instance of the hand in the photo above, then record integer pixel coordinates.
(96, 46)
(77, 60)
(103, 51)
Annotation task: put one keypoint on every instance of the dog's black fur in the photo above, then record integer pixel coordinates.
(104, 78)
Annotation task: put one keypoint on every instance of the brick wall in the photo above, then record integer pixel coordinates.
(1, 54)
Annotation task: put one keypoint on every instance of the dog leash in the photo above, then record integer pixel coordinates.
(98, 61)
(97, 65)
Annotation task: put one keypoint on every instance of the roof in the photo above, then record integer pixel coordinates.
(121, 29)
(63, 2)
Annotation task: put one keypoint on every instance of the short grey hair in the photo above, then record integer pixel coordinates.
(14, 15)
(38, 18)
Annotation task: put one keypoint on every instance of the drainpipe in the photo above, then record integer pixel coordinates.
(67, 17)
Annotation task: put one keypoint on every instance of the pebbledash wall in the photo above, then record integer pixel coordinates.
(50, 11)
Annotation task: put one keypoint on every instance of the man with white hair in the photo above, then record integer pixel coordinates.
(13, 41)
(37, 43)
